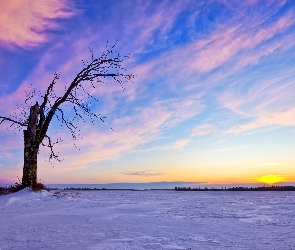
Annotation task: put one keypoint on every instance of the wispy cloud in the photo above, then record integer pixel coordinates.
(275, 120)
(203, 129)
(23, 23)
(269, 103)
(144, 126)
(232, 45)
(148, 29)
(225, 149)
(145, 173)
(180, 144)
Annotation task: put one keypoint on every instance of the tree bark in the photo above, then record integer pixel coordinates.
(30, 162)
(31, 148)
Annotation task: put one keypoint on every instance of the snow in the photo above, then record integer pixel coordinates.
(147, 220)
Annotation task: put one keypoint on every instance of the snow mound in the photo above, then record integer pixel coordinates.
(23, 196)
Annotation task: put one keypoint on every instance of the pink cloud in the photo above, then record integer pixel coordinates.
(239, 43)
(23, 23)
(9, 103)
(132, 131)
(268, 101)
(180, 144)
(275, 119)
(149, 26)
(203, 129)
(41, 77)
(226, 43)
(267, 112)
(176, 145)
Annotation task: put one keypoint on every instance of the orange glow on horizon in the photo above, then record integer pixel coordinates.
(271, 179)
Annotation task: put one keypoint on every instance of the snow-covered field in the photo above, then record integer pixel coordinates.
(147, 220)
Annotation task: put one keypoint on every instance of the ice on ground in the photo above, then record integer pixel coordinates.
(147, 220)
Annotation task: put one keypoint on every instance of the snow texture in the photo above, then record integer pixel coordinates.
(147, 220)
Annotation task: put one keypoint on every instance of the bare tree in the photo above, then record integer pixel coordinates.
(35, 123)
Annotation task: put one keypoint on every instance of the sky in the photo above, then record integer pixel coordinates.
(213, 100)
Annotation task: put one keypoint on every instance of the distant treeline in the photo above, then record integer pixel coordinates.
(264, 188)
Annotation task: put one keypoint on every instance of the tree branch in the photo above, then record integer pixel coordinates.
(3, 118)
(51, 145)
(97, 68)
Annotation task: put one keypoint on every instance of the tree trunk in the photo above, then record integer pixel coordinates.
(30, 162)
(31, 148)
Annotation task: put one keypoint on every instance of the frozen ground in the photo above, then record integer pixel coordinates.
(147, 220)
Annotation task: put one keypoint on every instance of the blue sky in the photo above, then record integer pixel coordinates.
(213, 100)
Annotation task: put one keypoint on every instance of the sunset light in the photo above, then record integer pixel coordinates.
(271, 179)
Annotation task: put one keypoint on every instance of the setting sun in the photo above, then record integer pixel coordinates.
(271, 179)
